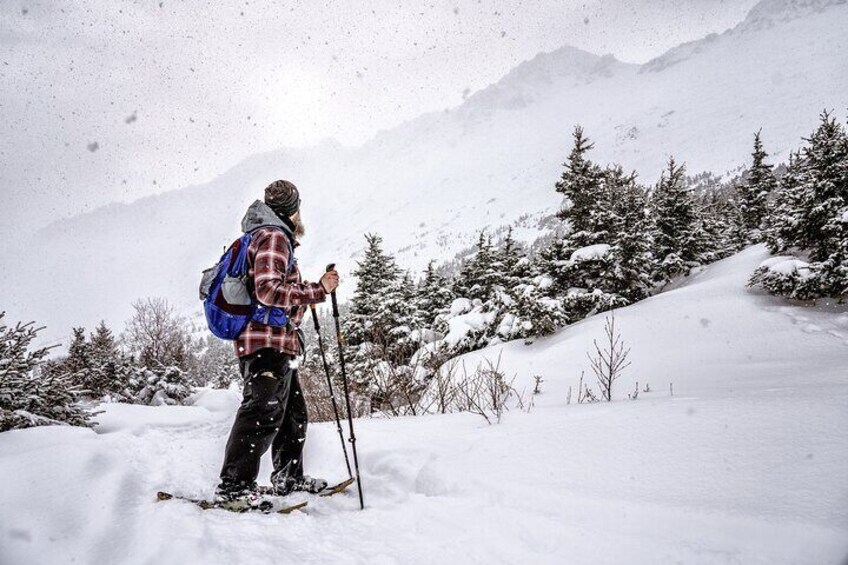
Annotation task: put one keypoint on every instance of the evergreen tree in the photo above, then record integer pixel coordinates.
(96, 365)
(29, 397)
(632, 262)
(479, 275)
(79, 361)
(603, 258)
(580, 186)
(383, 319)
(755, 191)
(677, 230)
(160, 385)
(784, 219)
(722, 227)
(433, 295)
(537, 312)
(513, 263)
(376, 274)
(103, 346)
(405, 319)
(824, 190)
(110, 367)
(585, 216)
(810, 217)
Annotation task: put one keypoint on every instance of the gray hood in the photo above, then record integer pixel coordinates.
(258, 215)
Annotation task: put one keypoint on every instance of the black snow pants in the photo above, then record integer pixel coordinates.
(272, 414)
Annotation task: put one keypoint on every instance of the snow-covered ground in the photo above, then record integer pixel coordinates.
(746, 463)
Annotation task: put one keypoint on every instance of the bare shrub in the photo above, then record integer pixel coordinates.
(486, 392)
(635, 394)
(537, 384)
(441, 396)
(584, 393)
(609, 361)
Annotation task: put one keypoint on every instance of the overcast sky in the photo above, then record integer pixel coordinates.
(107, 100)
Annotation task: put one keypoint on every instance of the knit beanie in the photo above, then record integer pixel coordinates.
(283, 198)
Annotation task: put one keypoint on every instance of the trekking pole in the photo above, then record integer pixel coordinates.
(330, 387)
(352, 438)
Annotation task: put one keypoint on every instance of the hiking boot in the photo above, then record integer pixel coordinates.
(309, 484)
(231, 490)
(283, 486)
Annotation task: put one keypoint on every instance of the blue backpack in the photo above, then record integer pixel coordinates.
(227, 301)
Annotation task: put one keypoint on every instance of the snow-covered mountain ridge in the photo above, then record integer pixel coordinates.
(428, 185)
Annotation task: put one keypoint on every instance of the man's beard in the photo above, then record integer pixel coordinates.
(299, 228)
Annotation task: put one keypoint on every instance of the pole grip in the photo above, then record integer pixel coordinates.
(333, 299)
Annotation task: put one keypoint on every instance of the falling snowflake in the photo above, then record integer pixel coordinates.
(93, 146)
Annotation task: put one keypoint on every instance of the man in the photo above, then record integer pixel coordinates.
(273, 410)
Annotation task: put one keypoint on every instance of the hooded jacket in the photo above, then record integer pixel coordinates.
(272, 283)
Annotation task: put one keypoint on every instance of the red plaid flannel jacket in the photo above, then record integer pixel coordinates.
(267, 258)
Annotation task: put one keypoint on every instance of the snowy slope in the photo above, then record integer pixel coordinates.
(429, 184)
(747, 463)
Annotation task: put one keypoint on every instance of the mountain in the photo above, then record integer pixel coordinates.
(428, 185)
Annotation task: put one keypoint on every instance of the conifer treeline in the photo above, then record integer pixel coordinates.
(617, 242)
(156, 360)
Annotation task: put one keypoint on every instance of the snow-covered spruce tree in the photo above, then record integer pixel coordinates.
(484, 289)
(79, 353)
(96, 365)
(603, 258)
(479, 275)
(677, 230)
(500, 295)
(580, 186)
(433, 295)
(577, 260)
(112, 369)
(755, 192)
(513, 285)
(632, 262)
(810, 218)
(722, 230)
(532, 312)
(383, 327)
(375, 273)
(29, 397)
(783, 228)
(80, 367)
(160, 385)
(824, 191)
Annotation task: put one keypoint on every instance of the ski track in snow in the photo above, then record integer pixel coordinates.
(747, 463)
